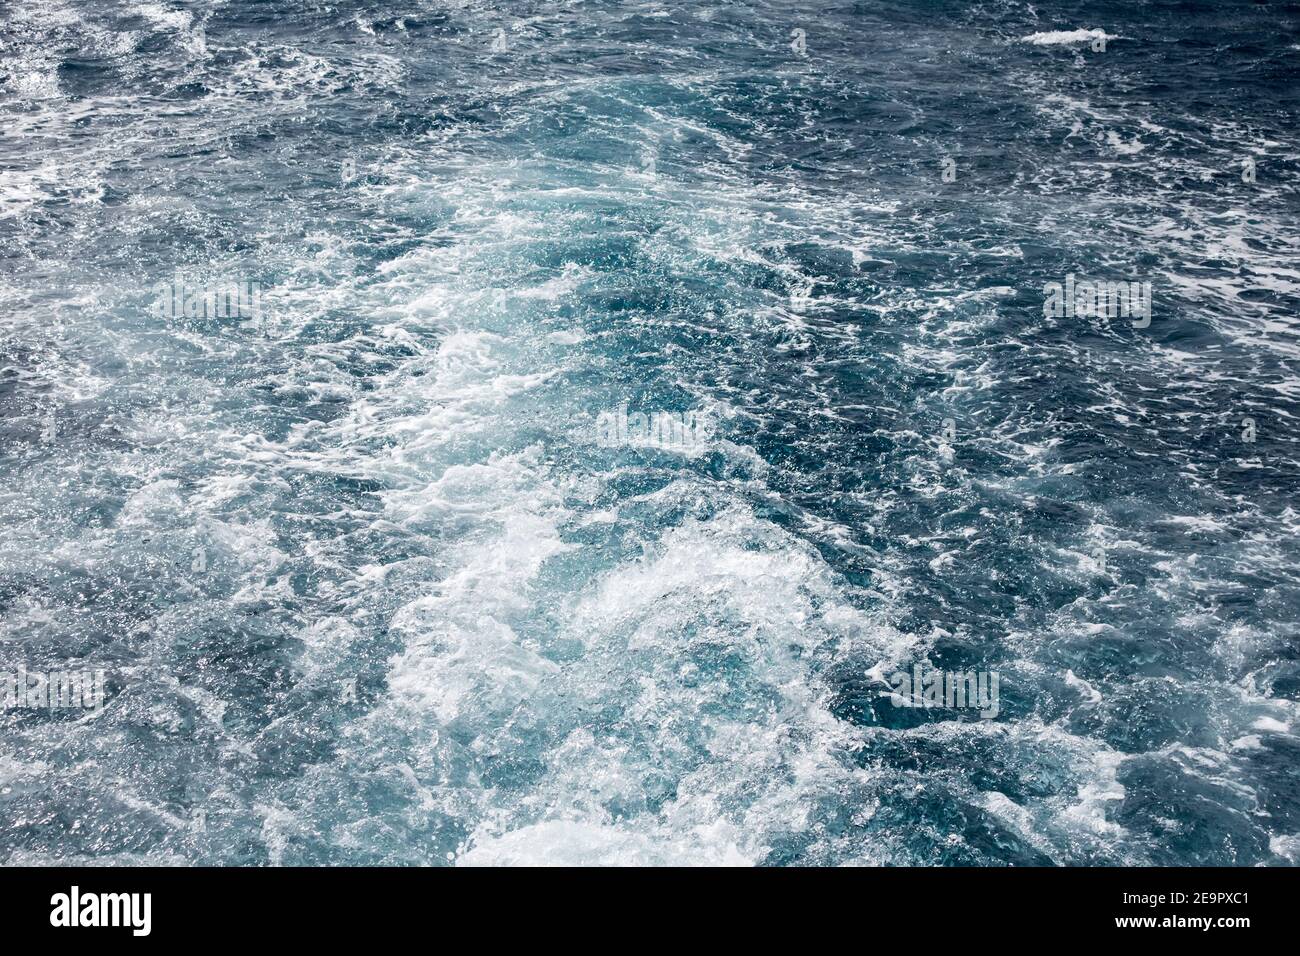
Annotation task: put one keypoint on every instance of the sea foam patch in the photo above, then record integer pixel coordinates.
(1068, 37)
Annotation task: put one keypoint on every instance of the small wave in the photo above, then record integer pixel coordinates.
(1061, 37)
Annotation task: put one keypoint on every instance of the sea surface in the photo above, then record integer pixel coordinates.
(366, 582)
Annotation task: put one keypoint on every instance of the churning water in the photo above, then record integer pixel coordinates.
(541, 432)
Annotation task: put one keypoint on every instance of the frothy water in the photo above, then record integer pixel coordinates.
(373, 580)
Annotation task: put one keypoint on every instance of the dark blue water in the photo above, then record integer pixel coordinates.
(368, 589)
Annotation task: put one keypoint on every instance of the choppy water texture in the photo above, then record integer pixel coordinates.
(569, 651)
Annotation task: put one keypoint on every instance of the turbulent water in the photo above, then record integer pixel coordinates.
(368, 579)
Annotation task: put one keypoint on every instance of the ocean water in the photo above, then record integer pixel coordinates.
(370, 577)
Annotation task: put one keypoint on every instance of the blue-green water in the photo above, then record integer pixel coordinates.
(368, 588)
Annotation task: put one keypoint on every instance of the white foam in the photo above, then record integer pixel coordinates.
(1091, 695)
(1270, 725)
(1285, 846)
(575, 843)
(1061, 37)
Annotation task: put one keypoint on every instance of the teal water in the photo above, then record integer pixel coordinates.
(369, 587)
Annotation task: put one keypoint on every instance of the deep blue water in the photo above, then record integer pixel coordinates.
(368, 589)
